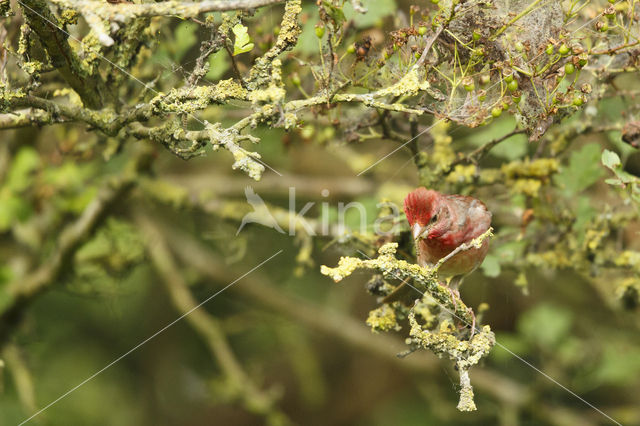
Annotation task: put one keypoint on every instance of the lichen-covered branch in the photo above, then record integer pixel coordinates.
(425, 279)
(89, 87)
(465, 353)
(436, 331)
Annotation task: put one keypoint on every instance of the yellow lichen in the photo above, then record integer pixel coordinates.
(382, 319)
(462, 174)
(442, 155)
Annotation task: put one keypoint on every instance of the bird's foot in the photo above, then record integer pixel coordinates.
(473, 323)
(455, 294)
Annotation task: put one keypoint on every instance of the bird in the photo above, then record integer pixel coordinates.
(439, 224)
(260, 213)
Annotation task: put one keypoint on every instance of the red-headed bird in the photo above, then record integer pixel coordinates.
(440, 223)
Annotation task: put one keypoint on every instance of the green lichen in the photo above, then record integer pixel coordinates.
(191, 99)
(274, 93)
(383, 319)
(5, 8)
(424, 280)
(527, 177)
(69, 17)
(7, 96)
(260, 73)
(247, 161)
(541, 168)
(91, 53)
(443, 154)
(462, 174)
(556, 259)
(409, 85)
(530, 187)
(433, 330)
(465, 353)
(32, 67)
(628, 292)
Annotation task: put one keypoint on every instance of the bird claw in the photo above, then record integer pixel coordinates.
(473, 323)
(455, 294)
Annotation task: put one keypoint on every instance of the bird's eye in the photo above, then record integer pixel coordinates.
(433, 219)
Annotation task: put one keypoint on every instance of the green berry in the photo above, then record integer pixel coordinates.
(612, 1)
(482, 95)
(508, 78)
(549, 49)
(569, 68)
(476, 36)
(519, 46)
(422, 30)
(496, 112)
(319, 32)
(582, 59)
(417, 55)
(516, 97)
(295, 79)
(435, 1)
(563, 50)
(512, 86)
(468, 84)
(610, 12)
(351, 48)
(578, 101)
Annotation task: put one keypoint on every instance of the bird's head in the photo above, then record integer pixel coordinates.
(427, 213)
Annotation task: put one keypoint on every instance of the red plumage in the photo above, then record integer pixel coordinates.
(440, 223)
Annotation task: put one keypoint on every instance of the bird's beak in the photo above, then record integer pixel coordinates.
(418, 230)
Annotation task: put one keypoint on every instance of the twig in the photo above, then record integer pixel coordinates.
(427, 48)
(478, 153)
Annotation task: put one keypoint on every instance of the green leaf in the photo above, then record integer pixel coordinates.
(611, 160)
(336, 13)
(243, 41)
(614, 181)
(582, 171)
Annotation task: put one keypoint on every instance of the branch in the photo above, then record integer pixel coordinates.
(90, 88)
(27, 118)
(287, 38)
(425, 278)
(185, 9)
(478, 153)
(105, 120)
(207, 326)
